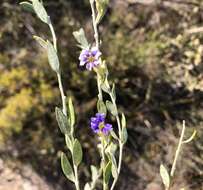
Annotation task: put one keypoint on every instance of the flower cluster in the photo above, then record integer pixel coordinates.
(98, 124)
(90, 58)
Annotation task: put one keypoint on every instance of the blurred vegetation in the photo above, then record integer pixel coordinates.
(155, 61)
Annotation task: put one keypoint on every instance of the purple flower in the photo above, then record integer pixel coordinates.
(90, 58)
(98, 124)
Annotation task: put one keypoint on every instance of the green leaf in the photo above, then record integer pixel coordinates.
(107, 173)
(77, 153)
(41, 41)
(101, 107)
(68, 142)
(113, 134)
(124, 135)
(62, 121)
(94, 172)
(81, 39)
(111, 108)
(71, 113)
(165, 176)
(40, 11)
(113, 92)
(87, 186)
(105, 87)
(101, 6)
(53, 57)
(66, 167)
(123, 121)
(27, 6)
(114, 168)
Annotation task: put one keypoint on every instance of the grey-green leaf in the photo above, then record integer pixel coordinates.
(124, 135)
(41, 41)
(68, 142)
(107, 173)
(77, 153)
(94, 172)
(113, 92)
(71, 113)
(111, 108)
(40, 11)
(114, 169)
(123, 121)
(27, 6)
(62, 121)
(101, 6)
(66, 167)
(165, 176)
(87, 186)
(81, 38)
(53, 57)
(101, 107)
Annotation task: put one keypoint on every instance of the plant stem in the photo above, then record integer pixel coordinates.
(53, 35)
(103, 164)
(76, 177)
(96, 34)
(63, 98)
(120, 143)
(178, 150)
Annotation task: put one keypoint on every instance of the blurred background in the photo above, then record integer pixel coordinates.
(154, 53)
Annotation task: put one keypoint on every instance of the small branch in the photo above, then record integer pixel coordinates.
(76, 177)
(178, 150)
(96, 34)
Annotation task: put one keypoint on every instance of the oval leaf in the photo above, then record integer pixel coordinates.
(107, 173)
(77, 153)
(81, 39)
(62, 121)
(101, 107)
(94, 172)
(53, 57)
(68, 142)
(71, 113)
(66, 167)
(123, 121)
(87, 186)
(124, 135)
(165, 176)
(101, 6)
(27, 6)
(40, 11)
(114, 169)
(111, 108)
(41, 41)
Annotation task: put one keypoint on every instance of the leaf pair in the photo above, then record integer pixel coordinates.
(77, 158)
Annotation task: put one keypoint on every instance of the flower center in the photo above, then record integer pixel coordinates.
(91, 59)
(101, 125)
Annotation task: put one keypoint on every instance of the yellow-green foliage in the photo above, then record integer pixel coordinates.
(14, 113)
(12, 79)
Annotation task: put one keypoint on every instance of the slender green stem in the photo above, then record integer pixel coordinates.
(178, 151)
(76, 177)
(53, 35)
(63, 98)
(100, 96)
(96, 34)
(119, 140)
(103, 164)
